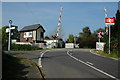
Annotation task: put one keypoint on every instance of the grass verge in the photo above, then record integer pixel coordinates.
(111, 55)
(13, 67)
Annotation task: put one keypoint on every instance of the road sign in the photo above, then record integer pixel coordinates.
(100, 34)
(10, 21)
(100, 46)
(109, 21)
(8, 29)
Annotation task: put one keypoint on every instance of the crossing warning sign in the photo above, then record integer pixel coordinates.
(110, 21)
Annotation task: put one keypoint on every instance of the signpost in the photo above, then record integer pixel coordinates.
(109, 22)
(100, 45)
(8, 29)
(10, 22)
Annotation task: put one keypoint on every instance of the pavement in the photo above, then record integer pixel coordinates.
(32, 70)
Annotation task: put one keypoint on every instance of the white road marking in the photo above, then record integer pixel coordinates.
(89, 63)
(40, 59)
(91, 66)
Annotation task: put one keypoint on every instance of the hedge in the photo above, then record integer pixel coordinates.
(18, 47)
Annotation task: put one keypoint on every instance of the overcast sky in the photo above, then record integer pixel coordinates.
(76, 15)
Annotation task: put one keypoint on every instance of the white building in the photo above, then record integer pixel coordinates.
(54, 43)
(51, 43)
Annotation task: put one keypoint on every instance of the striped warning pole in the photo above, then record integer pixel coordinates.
(59, 23)
(106, 26)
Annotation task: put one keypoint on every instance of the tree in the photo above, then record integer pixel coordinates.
(86, 32)
(47, 38)
(87, 39)
(115, 35)
(4, 38)
(15, 35)
(99, 30)
(115, 28)
(105, 37)
(70, 39)
(0, 32)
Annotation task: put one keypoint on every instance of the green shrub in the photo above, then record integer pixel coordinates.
(18, 47)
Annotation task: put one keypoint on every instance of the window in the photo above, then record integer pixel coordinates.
(24, 34)
(30, 33)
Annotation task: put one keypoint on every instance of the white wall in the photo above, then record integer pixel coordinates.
(69, 45)
(34, 35)
(39, 34)
(27, 34)
(23, 43)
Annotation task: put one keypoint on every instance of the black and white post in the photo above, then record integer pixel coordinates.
(9, 41)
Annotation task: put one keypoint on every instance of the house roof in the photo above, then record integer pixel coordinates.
(31, 27)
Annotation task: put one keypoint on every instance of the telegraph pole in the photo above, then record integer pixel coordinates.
(10, 22)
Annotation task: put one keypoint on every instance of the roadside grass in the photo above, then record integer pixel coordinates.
(111, 55)
(13, 67)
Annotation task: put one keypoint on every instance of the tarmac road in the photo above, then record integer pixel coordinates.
(73, 63)
(58, 64)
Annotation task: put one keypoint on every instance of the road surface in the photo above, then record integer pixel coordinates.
(73, 63)
(58, 64)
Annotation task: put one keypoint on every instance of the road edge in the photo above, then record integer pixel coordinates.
(39, 69)
(35, 64)
(91, 66)
(91, 51)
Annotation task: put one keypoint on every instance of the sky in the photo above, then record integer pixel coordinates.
(75, 16)
(59, 0)
(119, 5)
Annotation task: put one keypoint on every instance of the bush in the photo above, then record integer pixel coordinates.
(17, 47)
